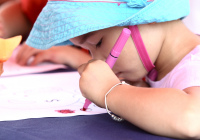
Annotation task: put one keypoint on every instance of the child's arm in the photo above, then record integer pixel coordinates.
(68, 55)
(13, 20)
(167, 112)
(3, 1)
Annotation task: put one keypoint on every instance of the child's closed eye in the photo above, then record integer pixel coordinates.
(99, 43)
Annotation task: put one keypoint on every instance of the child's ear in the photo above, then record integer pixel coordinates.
(7, 46)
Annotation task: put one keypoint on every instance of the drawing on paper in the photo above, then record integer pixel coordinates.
(42, 95)
(38, 98)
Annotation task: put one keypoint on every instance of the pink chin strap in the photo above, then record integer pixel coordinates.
(137, 39)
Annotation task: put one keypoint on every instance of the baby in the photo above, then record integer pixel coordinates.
(161, 49)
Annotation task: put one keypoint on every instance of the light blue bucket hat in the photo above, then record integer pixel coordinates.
(61, 20)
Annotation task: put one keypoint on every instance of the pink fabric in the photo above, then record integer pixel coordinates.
(144, 56)
(185, 74)
(137, 39)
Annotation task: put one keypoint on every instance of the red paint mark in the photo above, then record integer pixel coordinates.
(86, 109)
(65, 111)
(83, 109)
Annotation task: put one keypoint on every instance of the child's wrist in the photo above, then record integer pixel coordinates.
(113, 116)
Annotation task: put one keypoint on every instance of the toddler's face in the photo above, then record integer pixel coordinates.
(100, 43)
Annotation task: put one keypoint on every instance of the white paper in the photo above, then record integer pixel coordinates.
(42, 95)
(11, 68)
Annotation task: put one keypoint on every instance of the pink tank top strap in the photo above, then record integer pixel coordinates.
(137, 39)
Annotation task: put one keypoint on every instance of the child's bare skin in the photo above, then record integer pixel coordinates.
(3, 1)
(12, 20)
(180, 106)
(68, 55)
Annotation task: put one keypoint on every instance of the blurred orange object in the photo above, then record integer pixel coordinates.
(6, 48)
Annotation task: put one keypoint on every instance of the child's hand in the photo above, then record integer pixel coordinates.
(68, 55)
(96, 80)
(25, 53)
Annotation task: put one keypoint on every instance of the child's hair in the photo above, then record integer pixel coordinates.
(61, 20)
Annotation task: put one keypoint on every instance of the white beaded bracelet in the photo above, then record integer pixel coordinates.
(113, 116)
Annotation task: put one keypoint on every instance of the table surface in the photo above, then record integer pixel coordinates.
(92, 127)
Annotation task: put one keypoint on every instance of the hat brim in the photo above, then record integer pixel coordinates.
(60, 21)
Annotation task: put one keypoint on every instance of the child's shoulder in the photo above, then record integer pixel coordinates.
(185, 74)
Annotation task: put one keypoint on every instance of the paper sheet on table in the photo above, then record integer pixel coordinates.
(42, 95)
(11, 68)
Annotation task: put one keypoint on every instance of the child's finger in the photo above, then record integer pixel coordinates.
(39, 58)
(23, 50)
(25, 57)
(92, 60)
(81, 68)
